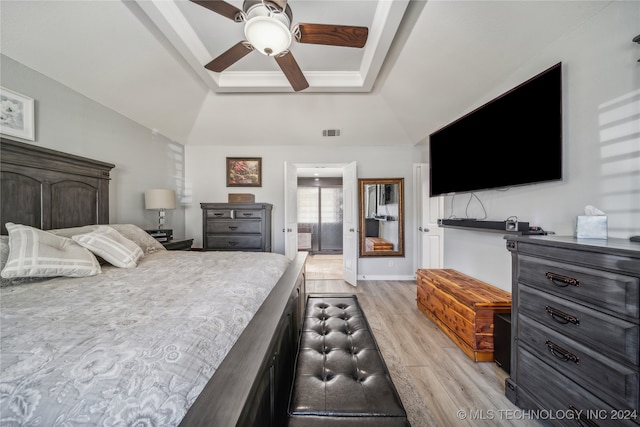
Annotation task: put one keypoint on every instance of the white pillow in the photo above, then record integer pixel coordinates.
(4, 251)
(129, 231)
(36, 253)
(140, 237)
(114, 248)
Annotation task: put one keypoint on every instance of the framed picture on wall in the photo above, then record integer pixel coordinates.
(16, 115)
(244, 171)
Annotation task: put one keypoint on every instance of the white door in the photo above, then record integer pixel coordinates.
(350, 224)
(290, 210)
(429, 237)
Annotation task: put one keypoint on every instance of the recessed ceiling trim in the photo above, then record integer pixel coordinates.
(167, 16)
(388, 14)
(267, 81)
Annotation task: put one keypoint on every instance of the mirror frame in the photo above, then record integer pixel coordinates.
(362, 183)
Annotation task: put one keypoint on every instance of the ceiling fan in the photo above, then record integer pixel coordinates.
(267, 28)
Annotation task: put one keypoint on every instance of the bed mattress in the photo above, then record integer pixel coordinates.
(129, 346)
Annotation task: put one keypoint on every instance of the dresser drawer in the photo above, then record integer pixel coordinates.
(582, 364)
(247, 214)
(233, 226)
(554, 392)
(234, 242)
(611, 292)
(602, 332)
(219, 213)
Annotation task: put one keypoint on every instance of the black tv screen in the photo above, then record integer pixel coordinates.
(513, 140)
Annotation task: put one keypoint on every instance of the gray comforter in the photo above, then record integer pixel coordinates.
(129, 346)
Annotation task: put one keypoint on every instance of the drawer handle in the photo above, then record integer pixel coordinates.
(561, 316)
(232, 243)
(233, 227)
(580, 418)
(218, 214)
(247, 214)
(561, 353)
(562, 281)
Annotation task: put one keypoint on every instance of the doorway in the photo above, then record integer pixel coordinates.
(320, 215)
(348, 173)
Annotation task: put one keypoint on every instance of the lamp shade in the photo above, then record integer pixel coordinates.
(161, 198)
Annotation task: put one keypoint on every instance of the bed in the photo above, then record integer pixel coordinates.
(172, 338)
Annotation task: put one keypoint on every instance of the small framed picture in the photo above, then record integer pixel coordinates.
(16, 115)
(244, 171)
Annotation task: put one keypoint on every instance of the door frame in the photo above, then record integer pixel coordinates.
(353, 264)
(429, 237)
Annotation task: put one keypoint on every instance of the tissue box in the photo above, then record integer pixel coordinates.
(591, 227)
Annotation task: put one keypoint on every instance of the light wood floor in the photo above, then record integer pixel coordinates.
(438, 384)
(324, 267)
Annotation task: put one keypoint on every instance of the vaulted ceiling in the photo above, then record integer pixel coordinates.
(425, 64)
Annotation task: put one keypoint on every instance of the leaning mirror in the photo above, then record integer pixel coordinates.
(381, 217)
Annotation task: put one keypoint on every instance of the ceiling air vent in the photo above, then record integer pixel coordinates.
(331, 132)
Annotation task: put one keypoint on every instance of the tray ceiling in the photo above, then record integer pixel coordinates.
(200, 35)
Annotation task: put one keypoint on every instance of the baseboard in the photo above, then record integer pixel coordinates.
(382, 277)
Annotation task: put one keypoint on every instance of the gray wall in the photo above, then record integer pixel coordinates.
(205, 180)
(601, 91)
(69, 122)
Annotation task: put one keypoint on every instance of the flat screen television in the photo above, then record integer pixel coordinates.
(513, 140)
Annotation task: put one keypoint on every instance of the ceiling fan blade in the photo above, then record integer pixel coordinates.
(230, 57)
(221, 7)
(292, 71)
(333, 35)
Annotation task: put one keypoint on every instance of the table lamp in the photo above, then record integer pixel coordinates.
(161, 199)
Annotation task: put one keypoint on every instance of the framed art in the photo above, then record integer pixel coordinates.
(16, 114)
(244, 171)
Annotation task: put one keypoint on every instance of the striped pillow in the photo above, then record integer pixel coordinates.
(112, 246)
(37, 253)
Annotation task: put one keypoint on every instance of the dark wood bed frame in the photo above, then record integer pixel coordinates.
(49, 189)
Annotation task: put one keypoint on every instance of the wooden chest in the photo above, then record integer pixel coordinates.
(378, 244)
(463, 308)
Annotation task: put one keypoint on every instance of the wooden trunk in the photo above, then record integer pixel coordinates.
(378, 244)
(463, 308)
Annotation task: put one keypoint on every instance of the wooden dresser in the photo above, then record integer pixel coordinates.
(236, 226)
(575, 329)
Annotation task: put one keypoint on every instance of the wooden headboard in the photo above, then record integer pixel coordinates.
(48, 189)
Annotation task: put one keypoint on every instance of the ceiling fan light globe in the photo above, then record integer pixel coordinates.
(267, 35)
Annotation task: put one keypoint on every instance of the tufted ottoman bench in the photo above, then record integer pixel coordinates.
(341, 378)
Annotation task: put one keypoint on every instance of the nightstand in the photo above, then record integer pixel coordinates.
(178, 245)
(161, 236)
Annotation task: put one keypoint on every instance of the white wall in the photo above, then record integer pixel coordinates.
(601, 91)
(205, 181)
(72, 123)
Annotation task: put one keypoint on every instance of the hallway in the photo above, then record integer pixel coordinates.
(324, 267)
